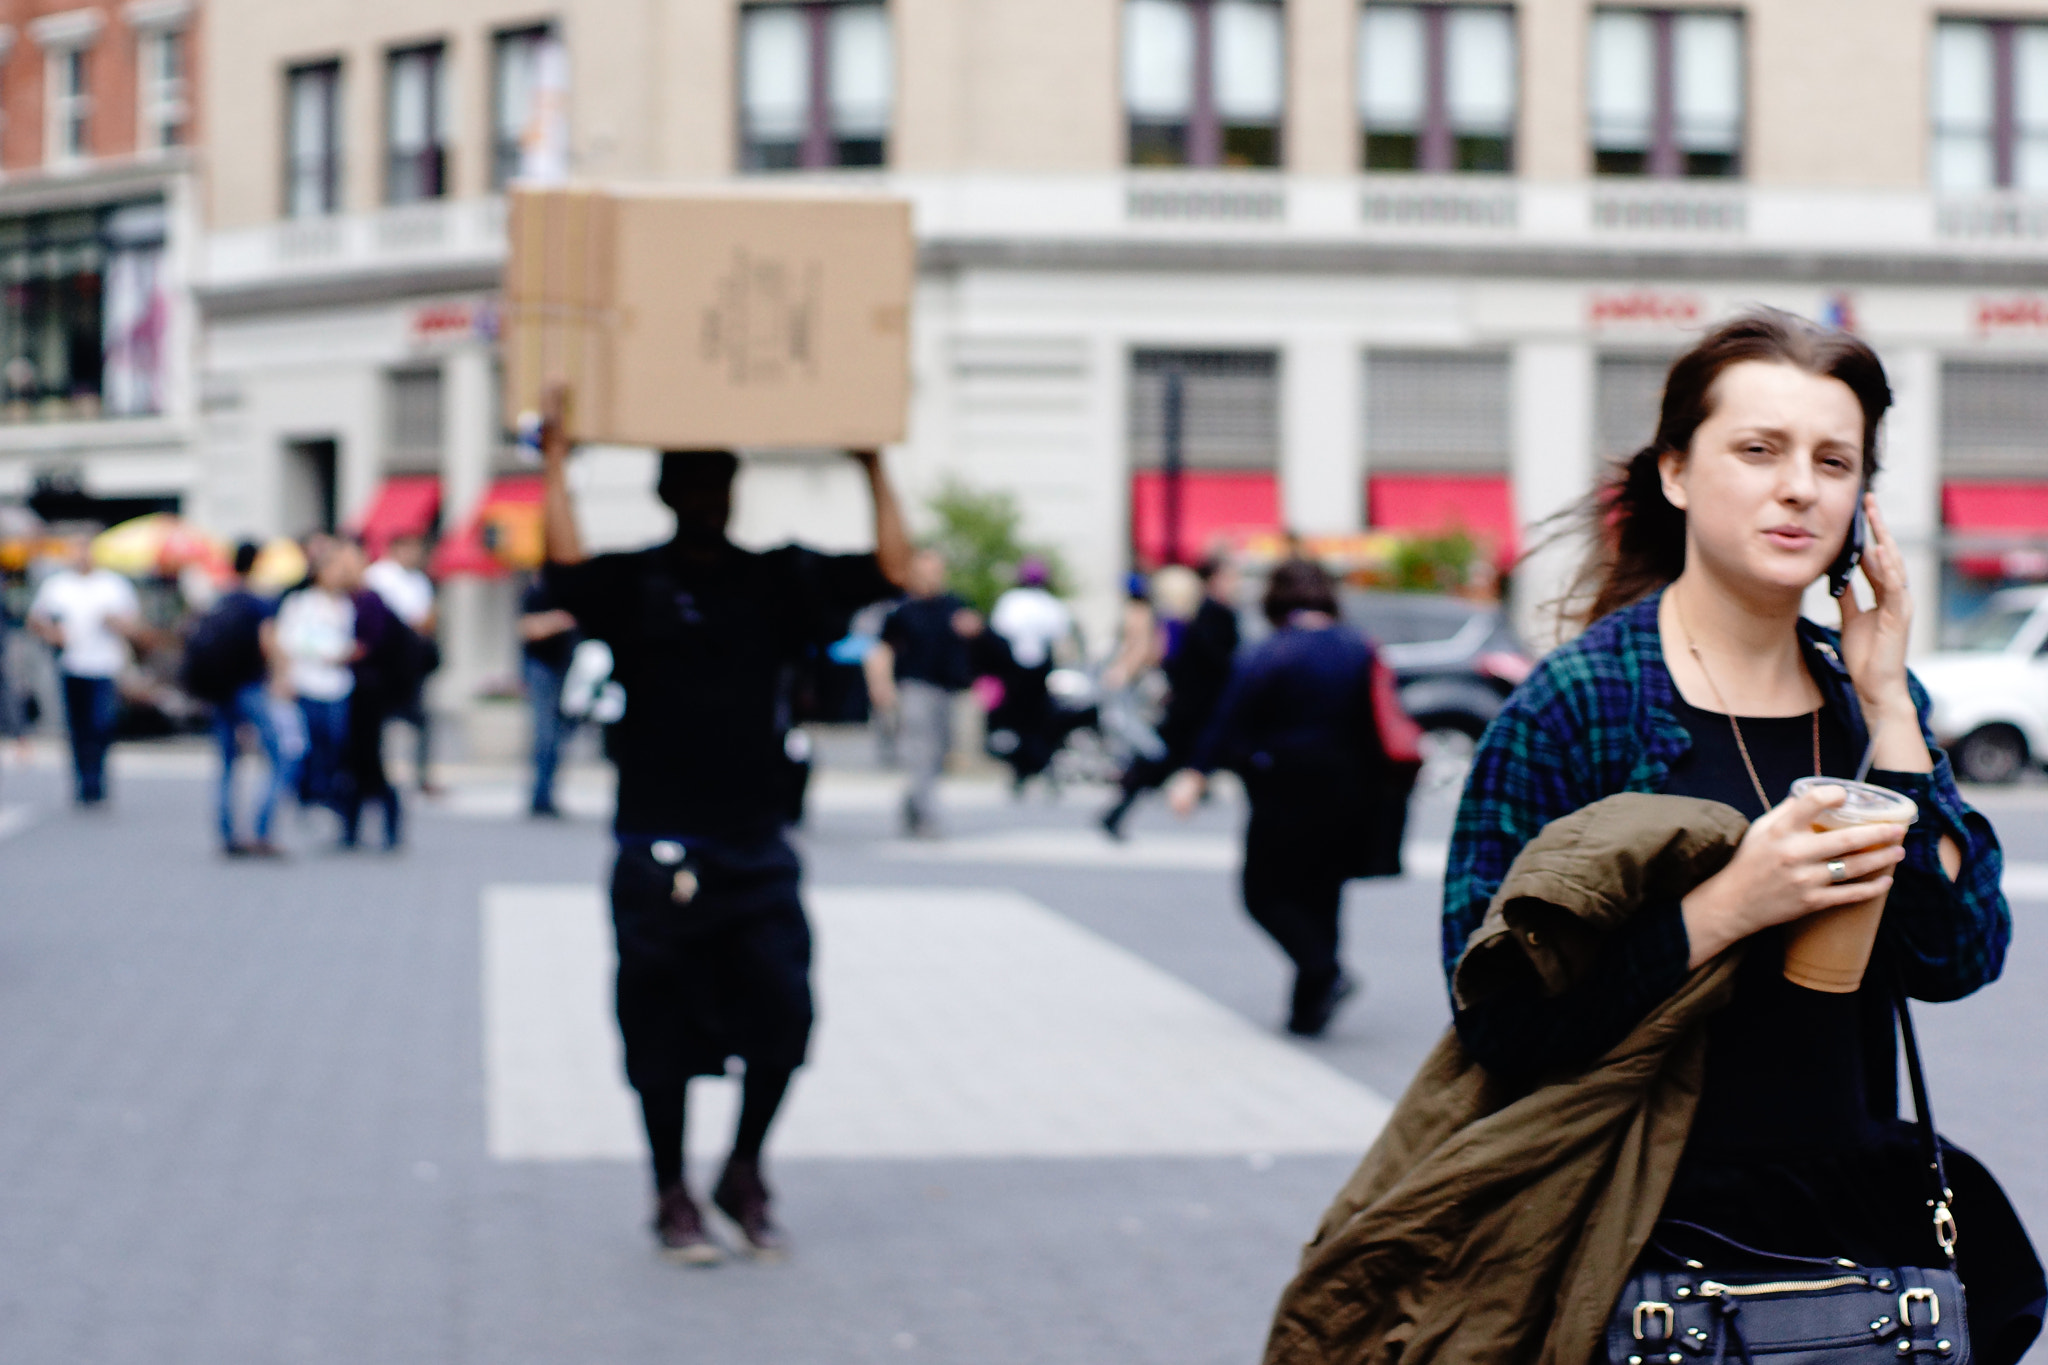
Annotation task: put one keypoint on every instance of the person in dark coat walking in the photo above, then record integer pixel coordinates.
(714, 950)
(1296, 723)
(385, 676)
(1197, 669)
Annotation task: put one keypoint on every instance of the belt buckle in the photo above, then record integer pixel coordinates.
(1650, 1311)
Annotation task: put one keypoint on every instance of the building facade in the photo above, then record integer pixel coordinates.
(1399, 265)
(99, 219)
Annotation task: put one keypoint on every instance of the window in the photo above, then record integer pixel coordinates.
(1628, 394)
(160, 100)
(83, 314)
(1667, 93)
(415, 122)
(68, 109)
(312, 171)
(1204, 82)
(415, 433)
(1992, 417)
(1436, 87)
(1436, 411)
(817, 85)
(1230, 408)
(528, 95)
(1990, 107)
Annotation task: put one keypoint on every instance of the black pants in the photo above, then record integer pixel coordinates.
(365, 779)
(1294, 890)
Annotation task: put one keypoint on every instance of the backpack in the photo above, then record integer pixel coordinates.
(224, 653)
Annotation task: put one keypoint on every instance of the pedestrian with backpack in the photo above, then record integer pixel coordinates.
(227, 666)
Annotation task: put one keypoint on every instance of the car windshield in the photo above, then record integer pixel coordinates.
(1991, 630)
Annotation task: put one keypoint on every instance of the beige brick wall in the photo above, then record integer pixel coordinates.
(1837, 88)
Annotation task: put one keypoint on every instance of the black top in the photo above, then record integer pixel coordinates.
(701, 647)
(1197, 671)
(553, 651)
(1296, 715)
(1785, 1065)
(927, 648)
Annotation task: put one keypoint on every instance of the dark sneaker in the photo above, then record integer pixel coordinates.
(679, 1227)
(742, 1197)
(1313, 1015)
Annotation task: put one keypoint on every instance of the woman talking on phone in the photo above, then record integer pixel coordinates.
(1697, 676)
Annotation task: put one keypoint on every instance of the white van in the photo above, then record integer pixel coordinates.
(1990, 688)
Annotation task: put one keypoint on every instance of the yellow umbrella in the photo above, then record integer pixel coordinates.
(159, 543)
(279, 565)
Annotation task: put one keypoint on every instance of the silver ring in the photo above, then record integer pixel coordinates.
(1838, 872)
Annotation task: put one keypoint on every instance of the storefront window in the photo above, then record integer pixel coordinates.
(82, 329)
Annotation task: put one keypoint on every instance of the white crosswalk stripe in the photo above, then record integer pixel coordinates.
(954, 1022)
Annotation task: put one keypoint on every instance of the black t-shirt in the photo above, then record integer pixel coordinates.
(1785, 1065)
(927, 648)
(552, 651)
(701, 648)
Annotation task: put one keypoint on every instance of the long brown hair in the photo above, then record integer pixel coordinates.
(1638, 536)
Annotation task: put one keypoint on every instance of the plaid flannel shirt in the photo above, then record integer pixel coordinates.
(1595, 718)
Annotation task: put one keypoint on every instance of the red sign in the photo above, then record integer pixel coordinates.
(454, 322)
(2027, 312)
(1644, 306)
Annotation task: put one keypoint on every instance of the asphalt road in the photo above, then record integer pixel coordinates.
(341, 1109)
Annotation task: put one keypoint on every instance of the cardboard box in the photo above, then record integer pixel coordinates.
(697, 320)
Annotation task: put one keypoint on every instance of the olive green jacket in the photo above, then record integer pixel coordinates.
(1492, 1223)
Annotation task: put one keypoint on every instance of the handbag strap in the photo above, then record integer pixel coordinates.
(1944, 1218)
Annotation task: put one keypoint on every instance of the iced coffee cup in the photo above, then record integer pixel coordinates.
(1828, 950)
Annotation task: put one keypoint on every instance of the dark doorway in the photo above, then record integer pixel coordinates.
(311, 492)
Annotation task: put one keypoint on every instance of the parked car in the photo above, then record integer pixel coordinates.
(1989, 687)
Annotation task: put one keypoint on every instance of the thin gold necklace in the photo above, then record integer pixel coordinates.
(1762, 800)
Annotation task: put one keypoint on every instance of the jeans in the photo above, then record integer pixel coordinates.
(91, 709)
(551, 729)
(251, 707)
(413, 711)
(326, 742)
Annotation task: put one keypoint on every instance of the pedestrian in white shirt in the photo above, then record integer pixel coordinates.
(89, 615)
(1022, 730)
(316, 635)
(399, 576)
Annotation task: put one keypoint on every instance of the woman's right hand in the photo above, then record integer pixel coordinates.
(1780, 873)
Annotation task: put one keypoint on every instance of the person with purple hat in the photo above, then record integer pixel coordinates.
(1031, 622)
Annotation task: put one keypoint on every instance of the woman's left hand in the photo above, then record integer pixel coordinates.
(1874, 637)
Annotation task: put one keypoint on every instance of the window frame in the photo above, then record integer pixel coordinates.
(331, 155)
(1437, 137)
(434, 156)
(2005, 134)
(1665, 157)
(160, 100)
(506, 154)
(1204, 139)
(821, 146)
(67, 112)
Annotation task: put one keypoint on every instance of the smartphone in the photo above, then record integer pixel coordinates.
(1852, 554)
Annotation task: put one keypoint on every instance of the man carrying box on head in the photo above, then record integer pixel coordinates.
(714, 949)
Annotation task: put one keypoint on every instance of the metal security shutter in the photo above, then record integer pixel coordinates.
(1230, 408)
(1630, 391)
(1436, 410)
(1994, 419)
(415, 397)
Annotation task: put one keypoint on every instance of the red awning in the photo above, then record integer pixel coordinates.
(406, 504)
(1481, 505)
(1996, 507)
(1214, 505)
(503, 533)
(1991, 510)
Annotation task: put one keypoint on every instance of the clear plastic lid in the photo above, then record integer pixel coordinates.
(1864, 803)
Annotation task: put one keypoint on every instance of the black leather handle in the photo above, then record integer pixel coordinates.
(1944, 1219)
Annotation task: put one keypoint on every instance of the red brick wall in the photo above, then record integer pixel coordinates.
(111, 72)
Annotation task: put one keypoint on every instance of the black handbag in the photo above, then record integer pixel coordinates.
(1795, 1310)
